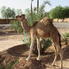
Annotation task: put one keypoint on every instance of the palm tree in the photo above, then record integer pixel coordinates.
(31, 11)
(37, 6)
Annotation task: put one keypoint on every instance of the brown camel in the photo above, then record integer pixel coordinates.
(42, 29)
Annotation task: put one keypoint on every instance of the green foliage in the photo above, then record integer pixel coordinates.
(7, 12)
(66, 35)
(34, 16)
(44, 44)
(18, 12)
(9, 65)
(1, 67)
(16, 26)
(59, 12)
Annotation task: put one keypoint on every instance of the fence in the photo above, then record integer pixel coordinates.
(5, 21)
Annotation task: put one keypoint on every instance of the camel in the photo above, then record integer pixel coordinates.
(42, 29)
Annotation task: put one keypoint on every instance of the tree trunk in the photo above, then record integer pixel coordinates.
(37, 6)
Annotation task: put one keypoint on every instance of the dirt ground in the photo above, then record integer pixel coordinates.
(12, 47)
(21, 52)
(8, 41)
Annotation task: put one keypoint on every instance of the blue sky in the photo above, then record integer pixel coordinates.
(24, 4)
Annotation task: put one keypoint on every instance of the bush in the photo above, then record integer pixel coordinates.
(9, 65)
(66, 35)
(1, 67)
(59, 12)
(16, 26)
(44, 44)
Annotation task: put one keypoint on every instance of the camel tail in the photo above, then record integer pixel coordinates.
(60, 40)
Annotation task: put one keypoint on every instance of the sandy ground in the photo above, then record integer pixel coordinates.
(10, 41)
(5, 44)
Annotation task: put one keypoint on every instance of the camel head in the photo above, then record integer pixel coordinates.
(20, 17)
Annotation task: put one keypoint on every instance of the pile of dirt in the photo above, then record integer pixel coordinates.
(14, 58)
(32, 64)
(12, 55)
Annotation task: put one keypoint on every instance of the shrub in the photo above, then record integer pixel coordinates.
(66, 35)
(9, 64)
(44, 44)
(16, 26)
(1, 67)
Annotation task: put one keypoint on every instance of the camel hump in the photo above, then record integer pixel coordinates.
(46, 20)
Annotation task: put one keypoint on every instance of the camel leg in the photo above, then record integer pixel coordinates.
(31, 48)
(56, 54)
(38, 48)
(60, 53)
(57, 49)
(61, 57)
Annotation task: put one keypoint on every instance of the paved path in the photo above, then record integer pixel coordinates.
(5, 44)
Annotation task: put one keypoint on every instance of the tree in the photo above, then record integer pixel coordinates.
(66, 12)
(59, 12)
(3, 11)
(37, 6)
(7, 12)
(31, 11)
(18, 12)
(56, 12)
(38, 12)
(32, 14)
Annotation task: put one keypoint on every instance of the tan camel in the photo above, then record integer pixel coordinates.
(42, 29)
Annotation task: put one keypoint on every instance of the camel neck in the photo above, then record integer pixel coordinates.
(25, 26)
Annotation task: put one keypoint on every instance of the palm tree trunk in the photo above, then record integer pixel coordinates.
(31, 12)
(37, 6)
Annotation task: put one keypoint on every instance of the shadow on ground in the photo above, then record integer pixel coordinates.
(18, 50)
(20, 53)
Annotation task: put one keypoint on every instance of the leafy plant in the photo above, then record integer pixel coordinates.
(66, 35)
(36, 13)
(44, 44)
(59, 12)
(16, 26)
(1, 67)
(8, 12)
(9, 64)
